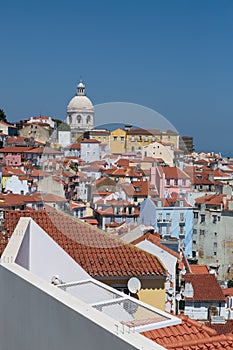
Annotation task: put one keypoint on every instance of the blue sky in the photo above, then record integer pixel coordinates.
(172, 56)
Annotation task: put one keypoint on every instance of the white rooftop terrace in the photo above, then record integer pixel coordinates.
(78, 313)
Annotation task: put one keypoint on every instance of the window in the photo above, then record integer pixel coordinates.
(104, 138)
(114, 138)
(79, 118)
(160, 217)
(202, 232)
(202, 218)
(146, 138)
(167, 182)
(181, 230)
(197, 304)
(153, 138)
(139, 138)
(214, 219)
(215, 244)
(176, 182)
(122, 138)
(88, 119)
(183, 182)
(194, 231)
(132, 138)
(195, 215)
(194, 242)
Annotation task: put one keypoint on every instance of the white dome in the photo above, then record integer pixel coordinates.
(80, 102)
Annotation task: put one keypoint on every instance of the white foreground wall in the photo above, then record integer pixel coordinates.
(31, 319)
(36, 315)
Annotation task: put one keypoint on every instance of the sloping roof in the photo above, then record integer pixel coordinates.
(174, 173)
(199, 269)
(228, 292)
(215, 199)
(225, 328)
(205, 287)
(74, 146)
(155, 239)
(190, 335)
(100, 254)
(90, 141)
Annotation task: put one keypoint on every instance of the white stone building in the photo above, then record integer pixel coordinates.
(80, 113)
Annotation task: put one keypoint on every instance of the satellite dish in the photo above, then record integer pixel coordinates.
(134, 285)
(56, 280)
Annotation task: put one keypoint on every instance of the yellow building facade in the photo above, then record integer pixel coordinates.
(133, 140)
(152, 291)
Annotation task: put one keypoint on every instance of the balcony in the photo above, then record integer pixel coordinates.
(182, 223)
(164, 222)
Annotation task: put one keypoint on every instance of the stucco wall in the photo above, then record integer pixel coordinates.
(32, 319)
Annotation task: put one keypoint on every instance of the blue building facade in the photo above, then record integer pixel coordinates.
(170, 218)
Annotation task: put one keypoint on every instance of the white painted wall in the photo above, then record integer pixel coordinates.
(36, 315)
(64, 138)
(16, 186)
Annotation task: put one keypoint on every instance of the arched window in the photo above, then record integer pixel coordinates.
(79, 118)
(88, 119)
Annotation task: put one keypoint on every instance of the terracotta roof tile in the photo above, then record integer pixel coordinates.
(221, 328)
(97, 252)
(174, 173)
(199, 269)
(155, 240)
(190, 335)
(201, 287)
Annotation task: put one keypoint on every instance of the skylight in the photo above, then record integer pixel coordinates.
(128, 311)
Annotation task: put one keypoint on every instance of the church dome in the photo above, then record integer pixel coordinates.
(80, 101)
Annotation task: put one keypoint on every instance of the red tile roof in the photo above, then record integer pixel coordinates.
(155, 239)
(6, 124)
(74, 146)
(221, 328)
(15, 149)
(215, 199)
(90, 141)
(174, 173)
(15, 140)
(52, 198)
(201, 287)
(190, 335)
(228, 292)
(100, 254)
(199, 269)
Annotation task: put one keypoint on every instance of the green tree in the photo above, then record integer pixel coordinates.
(230, 283)
(2, 115)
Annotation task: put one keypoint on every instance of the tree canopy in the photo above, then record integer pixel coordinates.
(3, 116)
